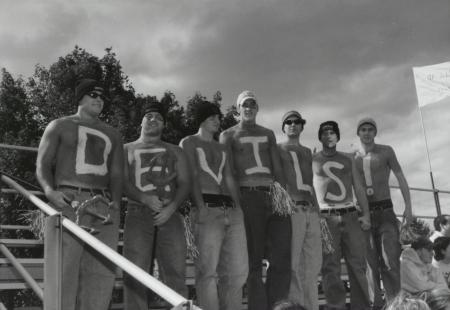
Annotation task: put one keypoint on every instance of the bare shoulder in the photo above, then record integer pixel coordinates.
(131, 145)
(60, 123)
(186, 141)
(265, 130)
(306, 150)
(385, 149)
(174, 149)
(229, 132)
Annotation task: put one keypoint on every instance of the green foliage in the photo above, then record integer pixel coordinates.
(28, 105)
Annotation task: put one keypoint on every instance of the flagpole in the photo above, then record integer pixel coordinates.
(435, 192)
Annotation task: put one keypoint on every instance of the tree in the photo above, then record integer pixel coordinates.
(28, 105)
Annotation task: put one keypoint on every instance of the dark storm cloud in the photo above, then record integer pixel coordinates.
(330, 59)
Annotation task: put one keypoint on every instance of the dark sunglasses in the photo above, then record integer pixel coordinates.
(96, 95)
(293, 121)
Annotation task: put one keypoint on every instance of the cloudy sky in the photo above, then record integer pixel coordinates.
(336, 59)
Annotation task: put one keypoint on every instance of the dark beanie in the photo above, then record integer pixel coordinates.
(156, 106)
(329, 125)
(85, 86)
(366, 120)
(204, 110)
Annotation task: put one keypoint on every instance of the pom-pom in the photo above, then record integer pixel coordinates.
(327, 238)
(282, 203)
(37, 220)
(184, 210)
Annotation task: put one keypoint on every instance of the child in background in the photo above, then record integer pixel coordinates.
(441, 260)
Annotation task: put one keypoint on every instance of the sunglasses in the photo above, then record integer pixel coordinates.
(96, 95)
(293, 121)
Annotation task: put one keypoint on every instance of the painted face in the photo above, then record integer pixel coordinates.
(152, 124)
(212, 123)
(367, 133)
(92, 102)
(293, 126)
(328, 138)
(425, 255)
(248, 110)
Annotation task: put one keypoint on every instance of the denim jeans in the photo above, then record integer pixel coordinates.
(349, 241)
(138, 245)
(87, 276)
(383, 255)
(306, 258)
(268, 236)
(221, 268)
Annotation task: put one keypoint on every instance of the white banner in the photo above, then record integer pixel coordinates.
(432, 83)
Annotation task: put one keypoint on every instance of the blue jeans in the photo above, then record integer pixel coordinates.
(87, 276)
(138, 245)
(268, 236)
(221, 268)
(349, 241)
(383, 255)
(306, 258)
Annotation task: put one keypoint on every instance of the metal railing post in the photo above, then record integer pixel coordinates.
(53, 263)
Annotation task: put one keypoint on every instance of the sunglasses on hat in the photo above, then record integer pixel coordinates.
(293, 121)
(96, 95)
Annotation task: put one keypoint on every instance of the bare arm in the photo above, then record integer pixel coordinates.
(44, 166)
(361, 197)
(189, 150)
(225, 138)
(183, 181)
(131, 191)
(116, 173)
(276, 161)
(402, 183)
(231, 184)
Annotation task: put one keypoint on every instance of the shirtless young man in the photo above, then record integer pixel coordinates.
(156, 183)
(306, 240)
(374, 163)
(222, 264)
(335, 178)
(256, 164)
(79, 156)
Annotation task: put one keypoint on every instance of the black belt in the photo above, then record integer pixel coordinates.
(381, 205)
(303, 203)
(256, 188)
(217, 201)
(338, 211)
(98, 191)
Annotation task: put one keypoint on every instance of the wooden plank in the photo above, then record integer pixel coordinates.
(22, 243)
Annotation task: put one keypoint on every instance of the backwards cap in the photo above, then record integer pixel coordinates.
(329, 125)
(155, 106)
(246, 94)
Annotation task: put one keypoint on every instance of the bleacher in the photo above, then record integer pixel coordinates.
(10, 279)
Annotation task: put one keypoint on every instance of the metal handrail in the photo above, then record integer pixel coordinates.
(22, 271)
(136, 272)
